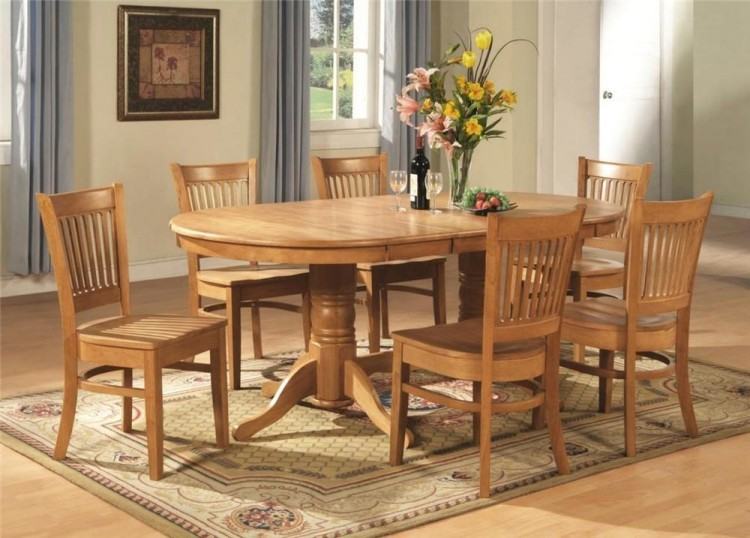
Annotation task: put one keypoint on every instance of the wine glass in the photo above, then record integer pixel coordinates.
(434, 187)
(397, 181)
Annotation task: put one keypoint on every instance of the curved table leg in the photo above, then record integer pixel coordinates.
(360, 389)
(299, 384)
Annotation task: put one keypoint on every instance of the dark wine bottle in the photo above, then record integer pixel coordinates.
(420, 165)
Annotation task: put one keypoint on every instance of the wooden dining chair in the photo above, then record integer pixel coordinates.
(88, 245)
(618, 184)
(518, 340)
(209, 186)
(664, 243)
(366, 176)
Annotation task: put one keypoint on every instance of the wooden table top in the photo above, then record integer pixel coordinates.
(367, 225)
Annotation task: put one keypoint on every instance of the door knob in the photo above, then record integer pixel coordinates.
(607, 94)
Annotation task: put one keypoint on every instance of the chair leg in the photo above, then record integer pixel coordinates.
(372, 301)
(485, 439)
(606, 360)
(682, 372)
(476, 424)
(257, 339)
(630, 403)
(127, 401)
(194, 299)
(219, 392)
(399, 405)
(538, 418)
(438, 295)
(154, 418)
(552, 403)
(68, 414)
(579, 294)
(386, 330)
(306, 319)
(234, 337)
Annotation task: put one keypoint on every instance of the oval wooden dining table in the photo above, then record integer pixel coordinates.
(332, 236)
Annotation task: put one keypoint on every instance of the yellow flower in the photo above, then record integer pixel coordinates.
(483, 39)
(468, 59)
(450, 110)
(461, 83)
(472, 127)
(489, 87)
(508, 97)
(427, 105)
(475, 91)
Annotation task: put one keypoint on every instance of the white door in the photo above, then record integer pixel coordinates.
(629, 72)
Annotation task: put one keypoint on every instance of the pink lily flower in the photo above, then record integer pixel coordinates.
(406, 107)
(433, 124)
(420, 78)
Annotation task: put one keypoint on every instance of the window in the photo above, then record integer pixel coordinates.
(343, 64)
(5, 70)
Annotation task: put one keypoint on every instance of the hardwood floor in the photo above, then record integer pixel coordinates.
(699, 491)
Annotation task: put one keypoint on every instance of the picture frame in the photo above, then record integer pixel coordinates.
(167, 63)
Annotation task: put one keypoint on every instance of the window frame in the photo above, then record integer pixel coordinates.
(373, 74)
(6, 64)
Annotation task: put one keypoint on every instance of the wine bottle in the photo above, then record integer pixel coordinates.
(420, 165)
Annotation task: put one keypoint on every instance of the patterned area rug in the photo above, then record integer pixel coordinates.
(318, 473)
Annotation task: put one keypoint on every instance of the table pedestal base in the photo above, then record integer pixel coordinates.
(330, 372)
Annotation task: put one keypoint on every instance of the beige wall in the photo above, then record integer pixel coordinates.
(508, 163)
(138, 153)
(721, 93)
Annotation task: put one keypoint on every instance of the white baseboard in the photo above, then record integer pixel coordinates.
(731, 211)
(12, 285)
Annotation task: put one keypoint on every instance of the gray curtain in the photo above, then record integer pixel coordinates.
(42, 124)
(407, 45)
(285, 101)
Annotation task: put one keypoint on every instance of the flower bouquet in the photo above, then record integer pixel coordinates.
(459, 119)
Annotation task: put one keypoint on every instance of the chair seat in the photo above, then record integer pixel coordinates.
(237, 276)
(601, 322)
(596, 267)
(150, 331)
(464, 339)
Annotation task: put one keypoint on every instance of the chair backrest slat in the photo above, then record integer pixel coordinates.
(350, 177)
(663, 253)
(87, 240)
(528, 264)
(208, 186)
(615, 183)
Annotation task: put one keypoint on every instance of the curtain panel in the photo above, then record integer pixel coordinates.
(407, 45)
(285, 101)
(42, 124)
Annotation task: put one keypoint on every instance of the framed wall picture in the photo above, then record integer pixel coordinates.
(167, 63)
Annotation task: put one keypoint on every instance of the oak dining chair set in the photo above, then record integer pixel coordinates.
(523, 265)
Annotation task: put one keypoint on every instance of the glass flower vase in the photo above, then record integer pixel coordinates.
(459, 166)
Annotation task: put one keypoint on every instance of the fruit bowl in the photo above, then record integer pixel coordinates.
(481, 201)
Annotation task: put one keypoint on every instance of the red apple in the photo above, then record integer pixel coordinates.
(481, 196)
(486, 205)
(478, 204)
(495, 201)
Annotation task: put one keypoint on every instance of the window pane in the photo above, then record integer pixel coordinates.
(361, 24)
(321, 85)
(346, 26)
(353, 96)
(346, 81)
(321, 23)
